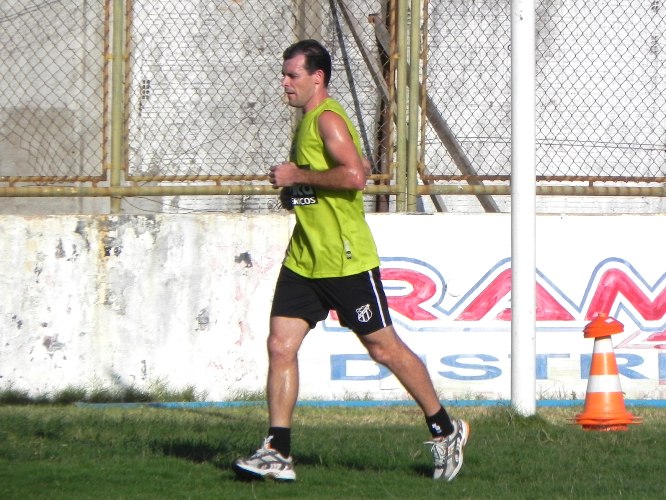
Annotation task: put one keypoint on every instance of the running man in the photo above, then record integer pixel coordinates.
(332, 264)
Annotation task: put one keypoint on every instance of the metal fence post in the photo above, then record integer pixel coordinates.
(401, 106)
(414, 88)
(523, 201)
(117, 100)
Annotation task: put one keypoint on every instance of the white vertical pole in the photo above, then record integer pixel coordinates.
(523, 207)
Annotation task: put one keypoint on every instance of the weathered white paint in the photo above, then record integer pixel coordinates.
(98, 301)
(183, 300)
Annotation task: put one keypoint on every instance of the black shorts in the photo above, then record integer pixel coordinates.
(359, 300)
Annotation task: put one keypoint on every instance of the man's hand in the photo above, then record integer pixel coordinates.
(283, 175)
(285, 198)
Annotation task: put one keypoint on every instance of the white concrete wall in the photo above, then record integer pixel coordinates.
(183, 301)
(97, 301)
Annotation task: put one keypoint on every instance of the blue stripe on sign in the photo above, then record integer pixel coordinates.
(653, 403)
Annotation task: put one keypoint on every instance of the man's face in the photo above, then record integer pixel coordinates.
(298, 85)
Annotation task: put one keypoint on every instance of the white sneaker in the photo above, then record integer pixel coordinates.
(266, 462)
(448, 451)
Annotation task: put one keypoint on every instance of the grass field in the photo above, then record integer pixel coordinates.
(65, 451)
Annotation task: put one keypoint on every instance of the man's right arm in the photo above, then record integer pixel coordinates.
(349, 172)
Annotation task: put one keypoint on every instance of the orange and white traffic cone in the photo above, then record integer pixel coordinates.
(604, 401)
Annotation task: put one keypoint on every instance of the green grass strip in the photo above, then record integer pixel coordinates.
(65, 451)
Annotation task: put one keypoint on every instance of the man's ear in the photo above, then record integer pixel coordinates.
(319, 76)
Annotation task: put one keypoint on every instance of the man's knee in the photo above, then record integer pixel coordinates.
(283, 347)
(285, 337)
(279, 347)
(388, 353)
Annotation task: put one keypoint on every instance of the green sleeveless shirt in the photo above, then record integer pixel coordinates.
(331, 237)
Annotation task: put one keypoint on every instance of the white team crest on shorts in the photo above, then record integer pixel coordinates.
(364, 313)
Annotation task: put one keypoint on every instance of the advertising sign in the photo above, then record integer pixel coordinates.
(448, 282)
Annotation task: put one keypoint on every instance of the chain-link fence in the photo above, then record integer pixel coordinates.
(181, 99)
(206, 102)
(599, 92)
(52, 85)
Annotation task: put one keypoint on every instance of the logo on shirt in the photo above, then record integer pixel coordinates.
(364, 313)
(303, 195)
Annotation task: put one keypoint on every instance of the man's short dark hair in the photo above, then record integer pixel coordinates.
(316, 57)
